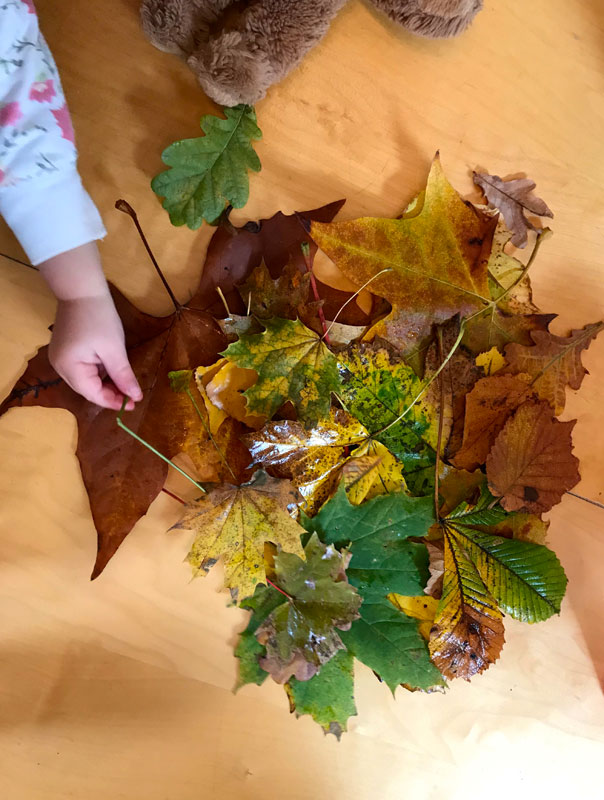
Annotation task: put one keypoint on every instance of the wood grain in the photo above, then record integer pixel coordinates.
(121, 688)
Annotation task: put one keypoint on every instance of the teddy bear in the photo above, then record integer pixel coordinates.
(239, 48)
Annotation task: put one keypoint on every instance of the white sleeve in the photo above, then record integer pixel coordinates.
(41, 193)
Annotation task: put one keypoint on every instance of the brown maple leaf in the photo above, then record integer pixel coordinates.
(553, 362)
(512, 198)
(531, 464)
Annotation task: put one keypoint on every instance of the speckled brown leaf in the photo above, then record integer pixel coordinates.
(531, 464)
(513, 198)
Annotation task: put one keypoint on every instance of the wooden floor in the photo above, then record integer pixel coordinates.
(121, 688)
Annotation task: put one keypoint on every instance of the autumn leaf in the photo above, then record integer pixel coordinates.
(284, 297)
(210, 172)
(248, 649)
(509, 281)
(377, 391)
(121, 476)
(553, 362)
(235, 522)
(383, 561)
(300, 634)
(531, 464)
(435, 255)
(312, 458)
(493, 328)
(488, 406)
(328, 696)
(372, 471)
(513, 198)
(292, 364)
(422, 608)
(221, 386)
(491, 361)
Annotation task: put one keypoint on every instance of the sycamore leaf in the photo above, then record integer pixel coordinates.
(236, 521)
(210, 172)
(421, 608)
(328, 696)
(531, 464)
(249, 650)
(467, 635)
(292, 364)
(491, 361)
(300, 634)
(371, 472)
(312, 458)
(377, 391)
(435, 255)
(382, 562)
(553, 362)
(488, 406)
(513, 198)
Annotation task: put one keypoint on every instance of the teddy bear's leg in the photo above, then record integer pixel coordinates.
(269, 39)
(433, 18)
(179, 26)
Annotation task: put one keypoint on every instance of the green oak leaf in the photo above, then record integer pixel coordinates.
(328, 696)
(292, 364)
(300, 634)
(376, 391)
(210, 172)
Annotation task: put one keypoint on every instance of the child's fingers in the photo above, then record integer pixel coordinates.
(85, 380)
(119, 370)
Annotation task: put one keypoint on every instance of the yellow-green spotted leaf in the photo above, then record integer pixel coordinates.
(235, 522)
(292, 364)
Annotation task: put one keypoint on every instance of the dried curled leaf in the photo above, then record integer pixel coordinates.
(553, 362)
(292, 364)
(300, 635)
(235, 522)
(436, 257)
(510, 288)
(513, 198)
(328, 696)
(311, 458)
(531, 464)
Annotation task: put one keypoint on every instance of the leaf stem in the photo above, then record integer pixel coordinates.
(355, 295)
(174, 496)
(274, 585)
(126, 208)
(224, 301)
(305, 246)
(153, 450)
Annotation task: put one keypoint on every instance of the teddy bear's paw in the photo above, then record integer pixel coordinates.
(437, 19)
(231, 70)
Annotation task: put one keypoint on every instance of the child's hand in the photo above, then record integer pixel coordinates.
(88, 339)
(87, 344)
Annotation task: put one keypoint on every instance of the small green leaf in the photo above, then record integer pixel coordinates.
(210, 172)
(293, 364)
(328, 696)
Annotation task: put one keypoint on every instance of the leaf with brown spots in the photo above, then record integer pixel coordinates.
(531, 464)
(488, 406)
(553, 362)
(513, 198)
(435, 257)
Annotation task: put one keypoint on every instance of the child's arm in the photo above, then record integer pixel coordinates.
(44, 202)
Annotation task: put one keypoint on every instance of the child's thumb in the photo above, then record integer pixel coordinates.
(119, 370)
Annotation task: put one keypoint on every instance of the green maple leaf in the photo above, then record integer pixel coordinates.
(292, 364)
(329, 696)
(248, 649)
(300, 634)
(210, 172)
(376, 391)
(383, 561)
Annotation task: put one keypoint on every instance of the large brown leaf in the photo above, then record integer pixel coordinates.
(531, 464)
(435, 256)
(553, 362)
(513, 198)
(120, 475)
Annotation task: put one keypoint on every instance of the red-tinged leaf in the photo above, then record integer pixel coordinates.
(531, 464)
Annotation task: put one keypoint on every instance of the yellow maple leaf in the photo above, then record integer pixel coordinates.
(491, 362)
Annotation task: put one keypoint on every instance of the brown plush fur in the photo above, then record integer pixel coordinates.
(236, 62)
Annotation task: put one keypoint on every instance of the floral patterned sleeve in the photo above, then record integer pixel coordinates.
(41, 193)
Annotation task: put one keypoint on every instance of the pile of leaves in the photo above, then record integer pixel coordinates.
(374, 483)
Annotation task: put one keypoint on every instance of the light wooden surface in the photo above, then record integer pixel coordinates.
(121, 688)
